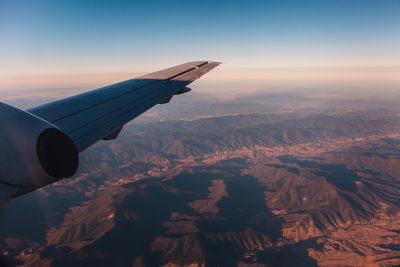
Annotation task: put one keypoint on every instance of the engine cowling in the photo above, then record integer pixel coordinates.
(33, 152)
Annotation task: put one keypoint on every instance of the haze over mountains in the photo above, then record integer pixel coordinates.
(266, 180)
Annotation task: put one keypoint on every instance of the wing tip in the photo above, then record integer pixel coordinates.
(214, 62)
(200, 62)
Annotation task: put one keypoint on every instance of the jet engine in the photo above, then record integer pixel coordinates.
(34, 152)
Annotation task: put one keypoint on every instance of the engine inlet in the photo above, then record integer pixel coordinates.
(57, 153)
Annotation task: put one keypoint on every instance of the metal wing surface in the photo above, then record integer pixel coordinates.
(89, 117)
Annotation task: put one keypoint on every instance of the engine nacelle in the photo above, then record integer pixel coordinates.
(33, 152)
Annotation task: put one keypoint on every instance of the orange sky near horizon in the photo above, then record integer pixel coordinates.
(281, 77)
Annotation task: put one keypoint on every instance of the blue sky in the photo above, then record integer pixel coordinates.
(63, 37)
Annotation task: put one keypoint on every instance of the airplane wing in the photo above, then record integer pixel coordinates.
(41, 145)
(89, 117)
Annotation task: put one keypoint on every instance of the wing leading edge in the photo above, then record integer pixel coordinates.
(89, 117)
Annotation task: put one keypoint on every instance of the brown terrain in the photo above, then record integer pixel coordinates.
(298, 187)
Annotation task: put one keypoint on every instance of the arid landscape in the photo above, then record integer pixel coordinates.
(268, 180)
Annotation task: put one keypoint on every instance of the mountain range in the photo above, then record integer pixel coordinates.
(288, 188)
